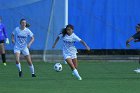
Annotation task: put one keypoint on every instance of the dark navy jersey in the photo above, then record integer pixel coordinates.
(136, 35)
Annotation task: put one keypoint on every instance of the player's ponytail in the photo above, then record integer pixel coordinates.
(27, 25)
(64, 32)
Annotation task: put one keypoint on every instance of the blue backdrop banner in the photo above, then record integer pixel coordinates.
(45, 16)
(102, 24)
(105, 24)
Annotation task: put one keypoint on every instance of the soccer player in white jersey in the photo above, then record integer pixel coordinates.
(69, 50)
(19, 39)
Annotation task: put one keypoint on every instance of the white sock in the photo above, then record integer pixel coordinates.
(18, 66)
(32, 68)
(76, 73)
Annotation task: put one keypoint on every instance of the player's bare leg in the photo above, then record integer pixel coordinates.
(31, 66)
(18, 65)
(75, 62)
(69, 61)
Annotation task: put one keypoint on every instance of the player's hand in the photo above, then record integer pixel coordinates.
(7, 41)
(28, 46)
(53, 46)
(128, 45)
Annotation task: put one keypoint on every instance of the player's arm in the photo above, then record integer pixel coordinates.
(87, 47)
(5, 35)
(13, 39)
(57, 39)
(128, 41)
(135, 37)
(4, 32)
(137, 40)
(31, 41)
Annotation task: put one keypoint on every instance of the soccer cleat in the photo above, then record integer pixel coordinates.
(20, 73)
(79, 78)
(4, 64)
(137, 70)
(33, 75)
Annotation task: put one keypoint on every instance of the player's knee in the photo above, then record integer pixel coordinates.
(17, 62)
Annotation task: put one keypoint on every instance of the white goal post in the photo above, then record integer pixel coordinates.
(54, 28)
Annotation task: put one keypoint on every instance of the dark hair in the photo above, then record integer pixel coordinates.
(22, 20)
(138, 25)
(64, 30)
(27, 24)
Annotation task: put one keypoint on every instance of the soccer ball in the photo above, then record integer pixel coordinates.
(58, 67)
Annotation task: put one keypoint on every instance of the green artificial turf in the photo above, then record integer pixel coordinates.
(98, 77)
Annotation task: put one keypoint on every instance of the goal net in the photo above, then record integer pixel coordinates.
(57, 21)
(46, 17)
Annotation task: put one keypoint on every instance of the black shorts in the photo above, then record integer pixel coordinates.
(1, 41)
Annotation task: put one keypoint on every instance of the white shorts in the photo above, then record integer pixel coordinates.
(24, 51)
(72, 56)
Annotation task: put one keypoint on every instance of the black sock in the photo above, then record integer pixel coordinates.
(3, 58)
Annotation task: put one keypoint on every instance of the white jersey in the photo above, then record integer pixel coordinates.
(68, 43)
(21, 37)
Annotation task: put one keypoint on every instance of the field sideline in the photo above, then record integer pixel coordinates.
(98, 77)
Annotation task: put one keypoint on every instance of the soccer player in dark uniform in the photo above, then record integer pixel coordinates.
(3, 39)
(135, 38)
